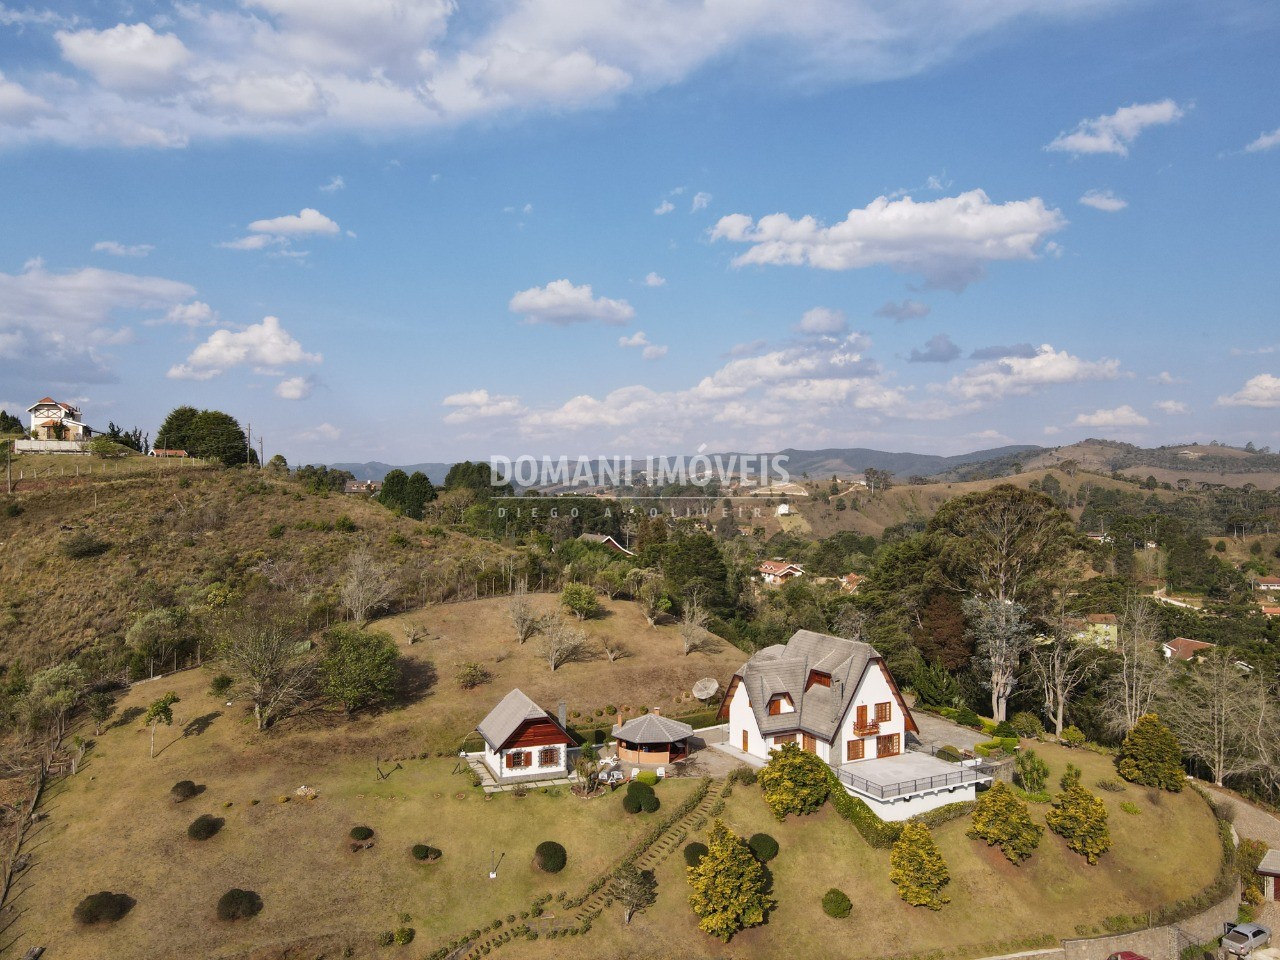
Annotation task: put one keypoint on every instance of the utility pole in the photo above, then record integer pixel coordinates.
(8, 465)
(261, 452)
(248, 442)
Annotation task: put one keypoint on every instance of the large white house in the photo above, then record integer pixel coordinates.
(835, 698)
(54, 420)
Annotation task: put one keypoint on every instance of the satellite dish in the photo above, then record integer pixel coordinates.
(706, 688)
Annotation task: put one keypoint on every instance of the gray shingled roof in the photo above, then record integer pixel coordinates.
(652, 728)
(784, 669)
(505, 719)
(1270, 863)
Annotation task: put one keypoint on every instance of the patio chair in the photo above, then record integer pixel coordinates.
(662, 772)
(635, 772)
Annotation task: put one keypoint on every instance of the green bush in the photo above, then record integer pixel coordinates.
(650, 803)
(386, 938)
(422, 852)
(763, 846)
(183, 790)
(950, 754)
(102, 907)
(1248, 855)
(694, 852)
(1070, 777)
(744, 775)
(1032, 771)
(876, 832)
(1002, 820)
(361, 833)
(631, 803)
(639, 788)
(1004, 729)
(221, 685)
(967, 718)
(1072, 737)
(647, 777)
(275, 531)
(917, 868)
(404, 935)
(836, 904)
(1027, 725)
(1109, 784)
(794, 781)
(1081, 820)
(550, 857)
(83, 545)
(1151, 756)
(204, 826)
(237, 904)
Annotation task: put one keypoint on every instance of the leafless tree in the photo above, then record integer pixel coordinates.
(1001, 636)
(693, 628)
(366, 586)
(1061, 666)
(1143, 671)
(520, 612)
(614, 650)
(561, 643)
(263, 652)
(1219, 713)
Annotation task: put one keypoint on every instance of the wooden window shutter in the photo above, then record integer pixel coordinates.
(884, 712)
(855, 750)
(511, 760)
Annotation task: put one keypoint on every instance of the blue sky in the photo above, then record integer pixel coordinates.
(544, 227)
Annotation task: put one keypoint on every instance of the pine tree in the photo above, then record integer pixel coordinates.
(729, 886)
(917, 867)
(1080, 818)
(1151, 756)
(794, 781)
(1000, 818)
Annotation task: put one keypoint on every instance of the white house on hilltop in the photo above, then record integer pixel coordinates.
(835, 698)
(53, 420)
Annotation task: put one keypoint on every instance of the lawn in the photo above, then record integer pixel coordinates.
(1167, 851)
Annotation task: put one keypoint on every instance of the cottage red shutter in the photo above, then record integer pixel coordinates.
(511, 761)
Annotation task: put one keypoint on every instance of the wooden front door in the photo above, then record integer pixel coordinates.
(860, 720)
(745, 741)
(809, 744)
(888, 746)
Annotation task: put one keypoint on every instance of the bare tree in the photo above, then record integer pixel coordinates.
(614, 650)
(520, 612)
(1001, 635)
(263, 652)
(1061, 666)
(693, 628)
(561, 643)
(366, 585)
(1143, 671)
(1219, 713)
(650, 593)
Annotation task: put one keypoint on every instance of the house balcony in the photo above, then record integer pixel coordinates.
(869, 729)
(909, 774)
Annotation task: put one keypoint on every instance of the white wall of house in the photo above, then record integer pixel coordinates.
(496, 761)
(873, 689)
(741, 718)
(904, 808)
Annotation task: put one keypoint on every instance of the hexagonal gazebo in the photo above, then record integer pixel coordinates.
(652, 738)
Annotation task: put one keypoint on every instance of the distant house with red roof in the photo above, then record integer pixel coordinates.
(54, 420)
(850, 582)
(779, 571)
(1271, 611)
(1185, 649)
(1269, 583)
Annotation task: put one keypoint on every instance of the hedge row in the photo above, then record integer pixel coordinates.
(881, 834)
(998, 745)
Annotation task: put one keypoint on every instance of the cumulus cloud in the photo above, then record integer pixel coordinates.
(290, 97)
(1171, 406)
(701, 201)
(654, 280)
(325, 432)
(59, 326)
(1166, 379)
(280, 232)
(1262, 391)
(822, 320)
(1018, 376)
(561, 303)
(665, 207)
(295, 388)
(117, 249)
(128, 58)
(1024, 351)
(480, 405)
(1265, 141)
(197, 313)
(1115, 132)
(948, 241)
(938, 349)
(1123, 416)
(1103, 200)
(19, 107)
(906, 310)
(263, 346)
(649, 351)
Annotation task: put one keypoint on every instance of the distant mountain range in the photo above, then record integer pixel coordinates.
(375, 470)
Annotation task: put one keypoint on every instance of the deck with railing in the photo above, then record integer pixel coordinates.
(957, 776)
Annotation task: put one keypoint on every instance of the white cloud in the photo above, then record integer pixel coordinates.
(19, 107)
(56, 326)
(1261, 391)
(939, 349)
(117, 249)
(654, 280)
(295, 388)
(999, 352)
(1115, 132)
(1103, 200)
(480, 405)
(1018, 376)
(129, 58)
(335, 184)
(948, 241)
(906, 310)
(258, 241)
(310, 221)
(197, 313)
(561, 303)
(649, 351)
(1171, 406)
(263, 346)
(291, 98)
(325, 432)
(1166, 379)
(1265, 141)
(701, 201)
(1123, 416)
(665, 207)
(822, 320)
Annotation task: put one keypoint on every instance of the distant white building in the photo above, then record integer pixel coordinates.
(54, 420)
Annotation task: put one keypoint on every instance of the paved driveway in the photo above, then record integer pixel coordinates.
(937, 731)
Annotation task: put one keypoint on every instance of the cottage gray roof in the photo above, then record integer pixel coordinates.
(1270, 864)
(506, 718)
(652, 728)
(784, 669)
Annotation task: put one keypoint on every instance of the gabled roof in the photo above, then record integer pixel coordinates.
(776, 567)
(652, 728)
(607, 541)
(785, 669)
(1269, 581)
(505, 719)
(1105, 619)
(1184, 648)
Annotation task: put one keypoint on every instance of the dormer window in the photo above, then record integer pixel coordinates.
(818, 679)
(781, 703)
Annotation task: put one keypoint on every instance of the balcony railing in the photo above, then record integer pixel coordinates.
(869, 729)
(906, 788)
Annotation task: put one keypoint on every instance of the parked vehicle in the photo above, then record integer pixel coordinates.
(1241, 939)
(1127, 955)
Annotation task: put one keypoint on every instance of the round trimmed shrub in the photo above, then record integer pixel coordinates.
(967, 718)
(763, 846)
(404, 935)
(102, 907)
(425, 854)
(1004, 729)
(694, 852)
(183, 790)
(950, 754)
(836, 904)
(649, 803)
(549, 857)
(237, 904)
(1027, 725)
(647, 777)
(204, 826)
(631, 803)
(361, 833)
